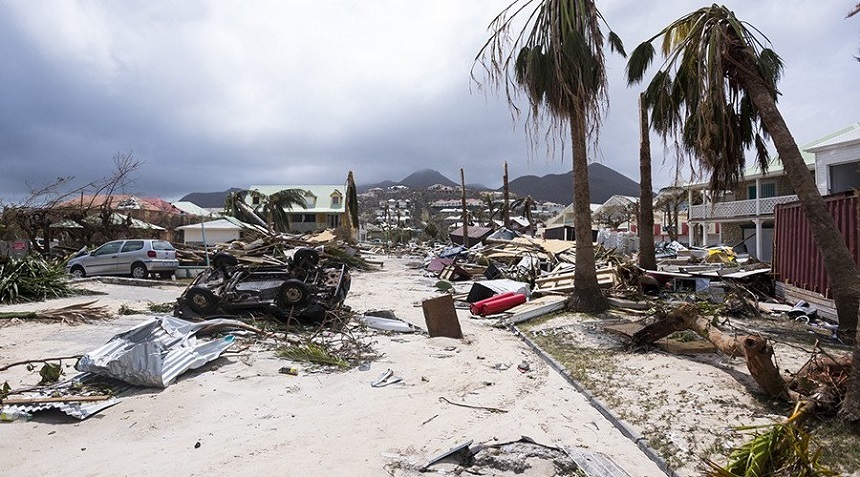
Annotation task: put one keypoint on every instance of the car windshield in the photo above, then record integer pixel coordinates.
(161, 245)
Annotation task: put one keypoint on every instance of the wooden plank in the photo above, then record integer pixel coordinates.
(441, 317)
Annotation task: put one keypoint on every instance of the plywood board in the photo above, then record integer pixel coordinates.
(441, 317)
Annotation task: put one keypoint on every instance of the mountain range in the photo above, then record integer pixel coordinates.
(603, 184)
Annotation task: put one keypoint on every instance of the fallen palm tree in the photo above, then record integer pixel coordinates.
(820, 383)
(780, 449)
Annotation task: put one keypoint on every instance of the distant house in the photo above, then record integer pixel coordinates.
(223, 230)
(441, 188)
(744, 216)
(190, 208)
(147, 209)
(324, 206)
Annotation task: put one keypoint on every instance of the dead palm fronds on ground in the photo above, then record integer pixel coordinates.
(782, 449)
(72, 314)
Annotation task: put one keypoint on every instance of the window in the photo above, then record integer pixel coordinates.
(132, 245)
(768, 189)
(333, 221)
(162, 245)
(109, 248)
(255, 200)
(335, 200)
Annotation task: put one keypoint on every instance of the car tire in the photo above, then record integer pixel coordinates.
(292, 293)
(138, 270)
(223, 260)
(78, 272)
(306, 257)
(201, 301)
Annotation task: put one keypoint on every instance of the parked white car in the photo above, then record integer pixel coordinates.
(137, 257)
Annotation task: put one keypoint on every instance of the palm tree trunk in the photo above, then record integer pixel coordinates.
(838, 262)
(587, 294)
(647, 259)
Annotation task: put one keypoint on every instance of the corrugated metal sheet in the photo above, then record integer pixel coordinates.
(155, 352)
(796, 260)
(79, 410)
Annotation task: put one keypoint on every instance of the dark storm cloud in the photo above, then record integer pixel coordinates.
(211, 95)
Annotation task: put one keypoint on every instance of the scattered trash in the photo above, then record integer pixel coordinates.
(386, 379)
(14, 415)
(291, 370)
(387, 324)
(524, 367)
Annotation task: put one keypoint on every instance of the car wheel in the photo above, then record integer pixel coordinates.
(306, 257)
(165, 275)
(292, 293)
(201, 301)
(138, 270)
(78, 272)
(223, 260)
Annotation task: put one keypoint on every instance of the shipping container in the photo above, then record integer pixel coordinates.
(796, 259)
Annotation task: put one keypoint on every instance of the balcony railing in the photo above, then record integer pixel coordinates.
(738, 208)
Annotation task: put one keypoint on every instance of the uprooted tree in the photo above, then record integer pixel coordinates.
(820, 384)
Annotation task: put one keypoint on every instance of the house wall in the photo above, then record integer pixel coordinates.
(783, 187)
(195, 236)
(826, 158)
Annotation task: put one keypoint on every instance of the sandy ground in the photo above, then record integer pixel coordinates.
(240, 415)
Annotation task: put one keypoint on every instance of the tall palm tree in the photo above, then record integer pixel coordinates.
(557, 60)
(716, 92)
(647, 255)
(270, 211)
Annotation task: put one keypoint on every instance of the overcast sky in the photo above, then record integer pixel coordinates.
(217, 94)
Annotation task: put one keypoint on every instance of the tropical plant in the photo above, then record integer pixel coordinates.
(32, 279)
(271, 211)
(716, 93)
(557, 60)
(493, 208)
(525, 205)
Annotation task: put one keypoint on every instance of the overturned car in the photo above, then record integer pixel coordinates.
(303, 289)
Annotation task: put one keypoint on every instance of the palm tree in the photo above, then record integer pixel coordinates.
(526, 205)
(647, 256)
(492, 208)
(557, 60)
(716, 92)
(270, 211)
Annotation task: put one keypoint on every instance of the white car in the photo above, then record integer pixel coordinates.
(137, 257)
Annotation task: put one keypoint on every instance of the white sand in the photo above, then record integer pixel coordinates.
(249, 419)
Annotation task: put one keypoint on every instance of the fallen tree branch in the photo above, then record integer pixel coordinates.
(29, 361)
(483, 408)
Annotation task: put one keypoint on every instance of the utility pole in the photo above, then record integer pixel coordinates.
(465, 211)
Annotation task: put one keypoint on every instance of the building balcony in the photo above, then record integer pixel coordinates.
(739, 209)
